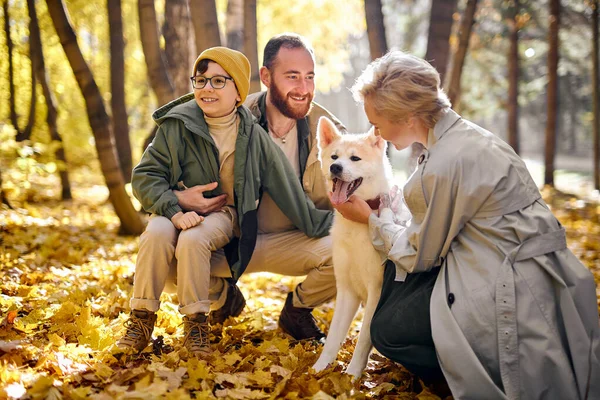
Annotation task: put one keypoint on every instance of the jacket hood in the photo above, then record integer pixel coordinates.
(187, 110)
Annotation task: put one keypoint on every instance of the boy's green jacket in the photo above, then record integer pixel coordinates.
(183, 151)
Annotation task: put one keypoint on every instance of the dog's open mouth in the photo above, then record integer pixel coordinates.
(342, 190)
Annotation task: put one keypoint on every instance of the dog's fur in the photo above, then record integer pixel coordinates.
(357, 265)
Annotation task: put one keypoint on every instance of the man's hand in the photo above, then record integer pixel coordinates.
(354, 209)
(193, 199)
(186, 221)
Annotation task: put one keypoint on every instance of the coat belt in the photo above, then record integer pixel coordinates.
(506, 317)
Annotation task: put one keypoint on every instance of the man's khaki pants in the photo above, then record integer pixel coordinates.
(195, 259)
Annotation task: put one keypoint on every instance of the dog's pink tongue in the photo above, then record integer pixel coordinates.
(340, 188)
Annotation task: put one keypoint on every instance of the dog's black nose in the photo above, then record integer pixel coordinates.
(336, 169)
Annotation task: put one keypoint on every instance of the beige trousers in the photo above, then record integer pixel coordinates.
(165, 252)
(194, 259)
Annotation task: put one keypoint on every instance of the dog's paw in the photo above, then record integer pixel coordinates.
(354, 370)
(320, 365)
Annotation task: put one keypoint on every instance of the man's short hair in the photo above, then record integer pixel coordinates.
(286, 40)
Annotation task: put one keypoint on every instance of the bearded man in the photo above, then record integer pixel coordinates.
(287, 112)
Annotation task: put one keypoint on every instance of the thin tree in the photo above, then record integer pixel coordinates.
(3, 198)
(458, 61)
(120, 123)
(513, 74)
(155, 60)
(205, 23)
(596, 93)
(438, 38)
(551, 92)
(179, 43)
(375, 28)
(251, 43)
(131, 222)
(234, 24)
(14, 118)
(51, 113)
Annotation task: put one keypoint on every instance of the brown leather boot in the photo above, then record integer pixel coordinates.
(234, 304)
(139, 330)
(299, 323)
(196, 331)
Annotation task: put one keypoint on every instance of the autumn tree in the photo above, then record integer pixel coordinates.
(39, 62)
(438, 38)
(596, 94)
(14, 118)
(458, 61)
(551, 92)
(120, 124)
(205, 23)
(179, 44)
(3, 198)
(234, 24)
(375, 28)
(512, 22)
(153, 55)
(131, 222)
(251, 43)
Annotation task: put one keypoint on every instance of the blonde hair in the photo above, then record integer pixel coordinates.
(399, 85)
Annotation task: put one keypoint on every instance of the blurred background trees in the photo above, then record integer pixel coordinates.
(512, 66)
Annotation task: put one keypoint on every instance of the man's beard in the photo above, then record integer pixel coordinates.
(281, 101)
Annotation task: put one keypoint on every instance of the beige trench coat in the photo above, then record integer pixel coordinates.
(513, 311)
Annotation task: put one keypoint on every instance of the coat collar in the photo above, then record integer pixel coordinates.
(448, 119)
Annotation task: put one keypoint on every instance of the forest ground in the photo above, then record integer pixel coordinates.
(65, 282)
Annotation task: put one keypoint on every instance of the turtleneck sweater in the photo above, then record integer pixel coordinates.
(224, 131)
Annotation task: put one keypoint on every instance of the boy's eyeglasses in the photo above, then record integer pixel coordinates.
(217, 81)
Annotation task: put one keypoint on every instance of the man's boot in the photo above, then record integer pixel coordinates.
(299, 323)
(196, 330)
(139, 330)
(234, 304)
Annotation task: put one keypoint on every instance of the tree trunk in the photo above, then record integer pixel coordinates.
(120, 123)
(178, 45)
(596, 94)
(3, 198)
(131, 223)
(14, 117)
(466, 26)
(251, 43)
(438, 38)
(51, 115)
(235, 24)
(155, 62)
(206, 24)
(375, 28)
(552, 98)
(513, 75)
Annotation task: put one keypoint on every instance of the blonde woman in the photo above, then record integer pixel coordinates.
(481, 286)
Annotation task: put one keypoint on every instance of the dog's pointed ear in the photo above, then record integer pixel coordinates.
(376, 140)
(326, 132)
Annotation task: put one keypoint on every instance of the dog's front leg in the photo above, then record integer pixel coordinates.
(363, 344)
(346, 305)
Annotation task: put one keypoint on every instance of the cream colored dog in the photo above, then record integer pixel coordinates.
(353, 165)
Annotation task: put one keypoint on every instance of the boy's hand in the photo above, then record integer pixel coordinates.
(193, 199)
(185, 221)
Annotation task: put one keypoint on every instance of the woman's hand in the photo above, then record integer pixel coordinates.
(186, 221)
(354, 209)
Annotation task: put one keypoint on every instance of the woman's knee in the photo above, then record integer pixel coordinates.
(381, 334)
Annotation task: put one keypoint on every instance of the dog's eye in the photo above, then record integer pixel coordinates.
(334, 157)
(355, 158)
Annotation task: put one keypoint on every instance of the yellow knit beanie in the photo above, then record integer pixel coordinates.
(234, 63)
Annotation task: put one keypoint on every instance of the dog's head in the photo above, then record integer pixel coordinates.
(352, 164)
